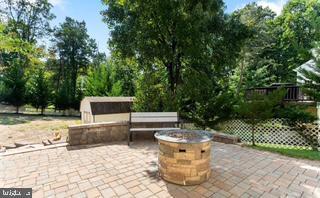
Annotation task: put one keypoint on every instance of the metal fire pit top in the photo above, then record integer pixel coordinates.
(184, 136)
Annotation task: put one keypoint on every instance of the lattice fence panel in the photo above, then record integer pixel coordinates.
(271, 132)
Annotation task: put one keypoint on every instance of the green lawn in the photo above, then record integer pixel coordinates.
(291, 152)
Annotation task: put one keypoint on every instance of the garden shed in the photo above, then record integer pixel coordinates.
(105, 109)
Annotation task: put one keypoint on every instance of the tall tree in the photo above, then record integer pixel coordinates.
(252, 69)
(170, 34)
(14, 81)
(39, 89)
(28, 19)
(75, 49)
(25, 22)
(13, 78)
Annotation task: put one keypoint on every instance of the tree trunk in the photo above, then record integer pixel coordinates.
(241, 77)
(172, 66)
(178, 69)
(252, 135)
(59, 73)
(42, 110)
(171, 77)
(17, 109)
(74, 85)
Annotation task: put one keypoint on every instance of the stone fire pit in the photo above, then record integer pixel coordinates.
(184, 156)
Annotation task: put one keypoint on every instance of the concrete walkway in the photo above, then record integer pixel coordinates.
(115, 170)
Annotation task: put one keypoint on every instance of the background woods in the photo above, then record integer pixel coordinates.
(186, 56)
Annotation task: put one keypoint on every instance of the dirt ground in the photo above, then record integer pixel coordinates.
(32, 128)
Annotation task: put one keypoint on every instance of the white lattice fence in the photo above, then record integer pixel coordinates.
(271, 132)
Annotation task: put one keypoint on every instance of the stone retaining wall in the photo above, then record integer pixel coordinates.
(117, 131)
(225, 138)
(97, 133)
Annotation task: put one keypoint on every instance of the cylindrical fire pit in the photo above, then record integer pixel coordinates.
(184, 156)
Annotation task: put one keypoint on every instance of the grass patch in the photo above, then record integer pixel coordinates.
(12, 120)
(290, 152)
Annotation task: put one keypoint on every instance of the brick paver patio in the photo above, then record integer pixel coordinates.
(115, 170)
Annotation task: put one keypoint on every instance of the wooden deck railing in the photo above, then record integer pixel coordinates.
(294, 92)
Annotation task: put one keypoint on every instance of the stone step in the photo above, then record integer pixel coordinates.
(22, 143)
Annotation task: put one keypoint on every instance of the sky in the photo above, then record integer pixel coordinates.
(89, 11)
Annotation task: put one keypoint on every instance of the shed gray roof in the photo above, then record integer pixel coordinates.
(109, 99)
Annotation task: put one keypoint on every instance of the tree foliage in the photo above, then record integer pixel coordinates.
(112, 77)
(204, 100)
(14, 81)
(13, 48)
(9, 43)
(186, 56)
(28, 19)
(298, 31)
(39, 90)
(277, 45)
(152, 92)
(100, 82)
(183, 50)
(252, 67)
(13, 72)
(125, 74)
(172, 34)
(74, 49)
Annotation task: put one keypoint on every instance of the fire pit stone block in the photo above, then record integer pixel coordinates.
(184, 164)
